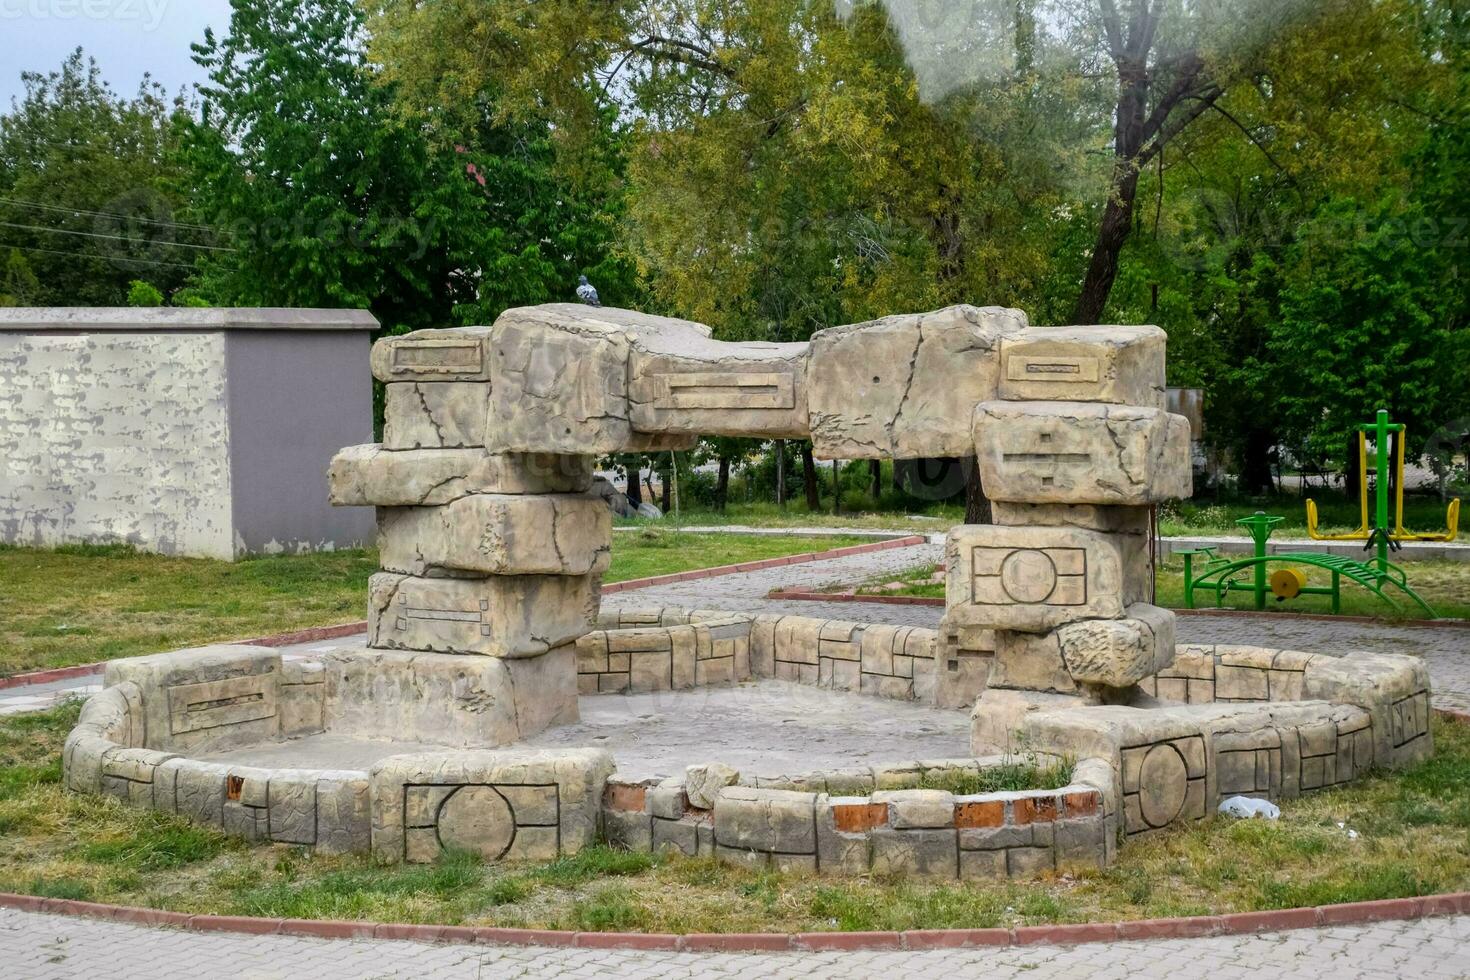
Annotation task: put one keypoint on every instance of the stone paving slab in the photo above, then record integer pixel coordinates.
(34, 946)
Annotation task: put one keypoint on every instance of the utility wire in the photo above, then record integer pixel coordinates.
(115, 238)
(84, 255)
(102, 214)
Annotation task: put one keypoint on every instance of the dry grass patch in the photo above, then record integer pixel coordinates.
(1412, 838)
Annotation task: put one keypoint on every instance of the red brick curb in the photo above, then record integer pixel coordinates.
(1194, 927)
(757, 566)
(320, 633)
(797, 595)
(47, 676)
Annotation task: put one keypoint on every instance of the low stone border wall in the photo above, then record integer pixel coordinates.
(1193, 927)
(895, 662)
(915, 832)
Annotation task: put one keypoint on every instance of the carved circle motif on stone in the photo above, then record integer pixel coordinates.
(1163, 785)
(477, 819)
(1028, 576)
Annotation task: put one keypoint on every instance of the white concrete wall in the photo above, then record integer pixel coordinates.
(116, 438)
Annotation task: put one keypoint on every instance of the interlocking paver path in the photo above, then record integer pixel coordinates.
(44, 947)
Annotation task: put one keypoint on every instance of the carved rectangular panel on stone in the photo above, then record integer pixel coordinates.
(1081, 453)
(1410, 718)
(498, 616)
(1164, 784)
(1035, 579)
(216, 704)
(499, 822)
(433, 355)
(1119, 365)
(688, 384)
(902, 387)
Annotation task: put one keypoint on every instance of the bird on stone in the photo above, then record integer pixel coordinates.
(587, 293)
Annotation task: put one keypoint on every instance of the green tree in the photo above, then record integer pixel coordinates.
(18, 284)
(325, 196)
(88, 189)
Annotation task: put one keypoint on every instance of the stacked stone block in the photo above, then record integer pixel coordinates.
(493, 554)
(1073, 452)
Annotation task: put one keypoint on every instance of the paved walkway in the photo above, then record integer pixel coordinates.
(42, 947)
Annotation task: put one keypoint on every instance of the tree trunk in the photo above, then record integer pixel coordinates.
(722, 484)
(634, 471)
(1025, 37)
(1117, 223)
(977, 505)
(781, 473)
(875, 479)
(1255, 471)
(1352, 476)
(836, 487)
(809, 477)
(668, 490)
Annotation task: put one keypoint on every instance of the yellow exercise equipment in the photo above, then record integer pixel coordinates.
(1287, 583)
(1366, 530)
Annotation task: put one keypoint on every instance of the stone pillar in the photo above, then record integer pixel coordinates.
(482, 553)
(1073, 453)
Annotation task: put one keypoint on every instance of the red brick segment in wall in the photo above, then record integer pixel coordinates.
(969, 816)
(1082, 804)
(1034, 809)
(625, 798)
(859, 818)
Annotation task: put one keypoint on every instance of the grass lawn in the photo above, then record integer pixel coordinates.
(1445, 585)
(1413, 838)
(81, 605)
(1188, 518)
(1336, 515)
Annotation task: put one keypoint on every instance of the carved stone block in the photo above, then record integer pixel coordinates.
(1035, 579)
(901, 387)
(499, 616)
(1080, 453)
(370, 476)
(495, 534)
(1119, 365)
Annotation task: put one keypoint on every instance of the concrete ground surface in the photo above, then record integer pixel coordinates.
(766, 728)
(44, 947)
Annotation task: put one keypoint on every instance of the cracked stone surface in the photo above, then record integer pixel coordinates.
(905, 386)
(1082, 453)
(435, 415)
(48, 947)
(498, 534)
(371, 476)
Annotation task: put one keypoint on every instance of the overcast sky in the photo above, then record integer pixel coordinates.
(127, 37)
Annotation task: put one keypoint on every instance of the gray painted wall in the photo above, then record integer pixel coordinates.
(296, 399)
